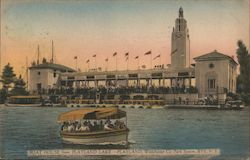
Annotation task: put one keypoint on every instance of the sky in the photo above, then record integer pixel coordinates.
(84, 28)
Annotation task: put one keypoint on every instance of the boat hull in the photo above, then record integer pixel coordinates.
(23, 105)
(212, 107)
(96, 138)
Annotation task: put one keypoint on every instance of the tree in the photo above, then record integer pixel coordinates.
(244, 61)
(3, 96)
(19, 87)
(8, 76)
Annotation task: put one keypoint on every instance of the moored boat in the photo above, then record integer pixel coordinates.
(85, 126)
(23, 101)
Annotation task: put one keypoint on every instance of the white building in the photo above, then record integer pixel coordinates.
(45, 75)
(215, 73)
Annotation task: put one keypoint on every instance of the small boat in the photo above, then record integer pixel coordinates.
(24, 101)
(234, 105)
(116, 135)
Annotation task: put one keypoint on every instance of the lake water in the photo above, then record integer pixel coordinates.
(23, 129)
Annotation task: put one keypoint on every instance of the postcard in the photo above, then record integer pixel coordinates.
(124, 79)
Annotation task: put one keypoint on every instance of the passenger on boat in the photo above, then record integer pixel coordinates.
(71, 128)
(107, 127)
(84, 128)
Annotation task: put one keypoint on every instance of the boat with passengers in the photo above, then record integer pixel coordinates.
(94, 126)
(24, 101)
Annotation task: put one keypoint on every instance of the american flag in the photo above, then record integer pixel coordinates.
(157, 56)
(147, 53)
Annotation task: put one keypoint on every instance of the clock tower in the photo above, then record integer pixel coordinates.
(180, 49)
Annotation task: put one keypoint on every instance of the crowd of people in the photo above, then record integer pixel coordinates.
(92, 126)
(90, 91)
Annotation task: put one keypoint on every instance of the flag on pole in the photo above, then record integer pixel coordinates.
(136, 57)
(87, 61)
(157, 57)
(126, 54)
(106, 59)
(94, 55)
(115, 54)
(148, 53)
(75, 57)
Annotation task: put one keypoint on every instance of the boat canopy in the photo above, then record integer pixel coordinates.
(90, 113)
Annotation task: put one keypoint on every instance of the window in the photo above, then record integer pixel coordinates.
(211, 83)
(39, 73)
(211, 65)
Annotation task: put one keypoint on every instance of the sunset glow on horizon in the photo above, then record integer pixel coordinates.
(85, 28)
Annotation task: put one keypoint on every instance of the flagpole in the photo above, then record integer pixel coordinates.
(160, 60)
(95, 62)
(106, 66)
(27, 74)
(76, 64)
(116, 62)
(151, 60)
(138, 63)
(127, 62)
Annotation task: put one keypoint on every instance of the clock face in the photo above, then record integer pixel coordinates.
(211, 65)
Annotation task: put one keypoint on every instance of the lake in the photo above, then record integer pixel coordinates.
(27, 128)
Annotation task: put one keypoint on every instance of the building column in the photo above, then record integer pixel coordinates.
(147, 80)
(116, 82)
(127, 82)
(138, 82)
(190, 81)
(96, 83)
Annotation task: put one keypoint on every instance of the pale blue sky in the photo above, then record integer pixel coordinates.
(83, 28)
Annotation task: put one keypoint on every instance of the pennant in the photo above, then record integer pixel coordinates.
(136, 57)
(115, 54)
(94, 55)
(157, 57)
(148, 53)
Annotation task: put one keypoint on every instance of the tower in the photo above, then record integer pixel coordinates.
(180, 49)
